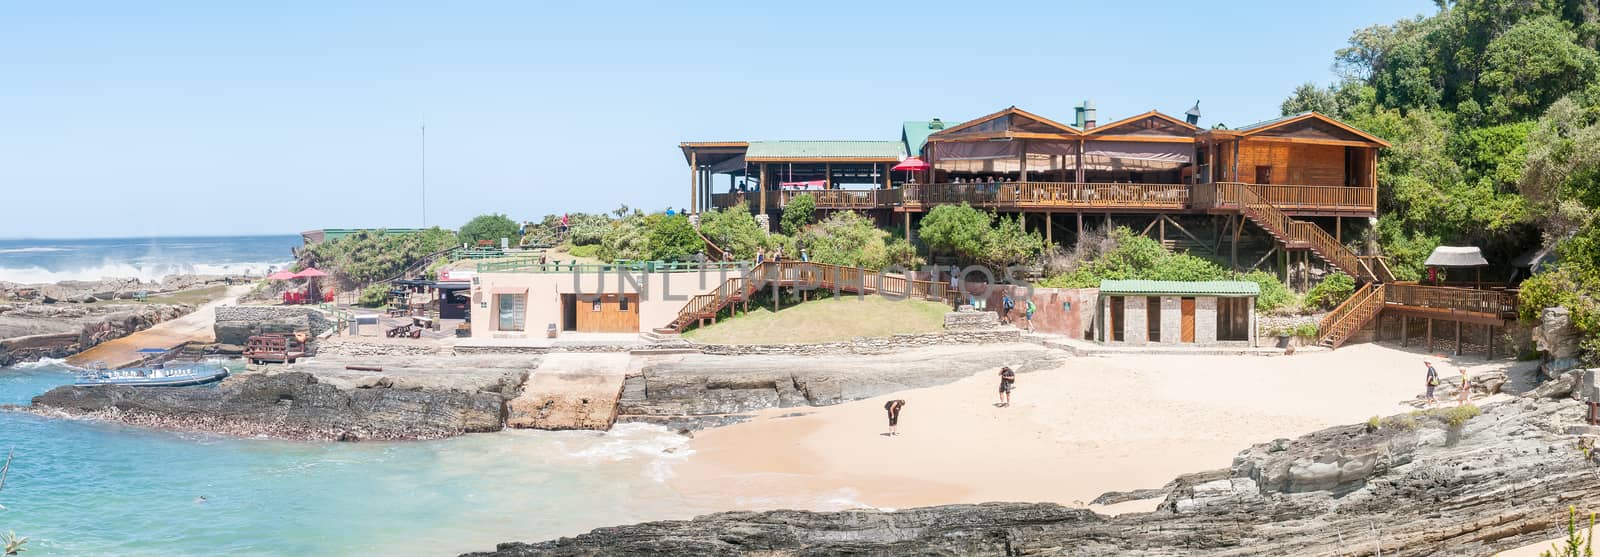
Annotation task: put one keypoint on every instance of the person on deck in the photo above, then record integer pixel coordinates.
(761, 255)
(1008, 380)
(1432, 382)
(893, 408)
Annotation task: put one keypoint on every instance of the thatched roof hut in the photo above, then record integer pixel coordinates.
(1456, 256)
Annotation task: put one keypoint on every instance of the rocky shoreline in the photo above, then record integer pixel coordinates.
(1417, 484)
(58, 320)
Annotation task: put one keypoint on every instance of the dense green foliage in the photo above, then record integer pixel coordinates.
(980, 237)
(374, 295)
(585, 230)
(374, 255)
(489, 227)
(1331, 291)
(846, 238)
(1128, 255)
(673, 238)
(798, 213)
(734, 229)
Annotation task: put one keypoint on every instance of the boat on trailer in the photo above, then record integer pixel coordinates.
(155, 376)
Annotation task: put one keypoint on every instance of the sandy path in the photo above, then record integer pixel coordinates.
(197, 326)
(1095, 425)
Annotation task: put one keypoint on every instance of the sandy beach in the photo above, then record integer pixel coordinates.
(1071, 434)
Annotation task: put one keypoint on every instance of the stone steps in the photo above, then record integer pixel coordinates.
(570, 391)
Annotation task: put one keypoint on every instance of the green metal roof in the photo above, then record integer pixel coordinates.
(1222, 288)
(801, 150)
(915, 133)
(1265, 123)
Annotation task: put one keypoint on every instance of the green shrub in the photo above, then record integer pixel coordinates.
(1331, 292)
(733, 229)
(673, 238)
(375, 255)
(1306, 330)
(845, 238)
(959, 230)
(375, 295)
(1402, 421)
(798, 213)
(1274, 294)
(490, 227)
(1374, 423)
(1578, 543)
(590, 251)
(903, 254)
(586, 230)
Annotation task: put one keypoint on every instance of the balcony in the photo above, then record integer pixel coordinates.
(1024, 196)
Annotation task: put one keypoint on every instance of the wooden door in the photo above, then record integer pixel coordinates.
(1186, 308)
(609, 313)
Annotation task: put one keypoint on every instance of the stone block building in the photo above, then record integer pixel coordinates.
(1201, 313)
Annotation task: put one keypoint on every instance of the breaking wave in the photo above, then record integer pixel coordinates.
(144, 272)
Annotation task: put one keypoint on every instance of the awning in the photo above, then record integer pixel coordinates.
(454, 285)
(1456, 256)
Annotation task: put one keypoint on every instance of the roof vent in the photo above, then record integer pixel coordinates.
(1193, 115)
(936, 124)
(1077, 116)
(1088, 115)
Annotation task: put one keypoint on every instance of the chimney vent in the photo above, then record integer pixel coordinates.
(1193, 115)
(1088, 115)
(936, 124)
(1077, 116)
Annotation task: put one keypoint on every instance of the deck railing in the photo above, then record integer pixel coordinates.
(530, 264)
(1085, 195)
(1498, 303)
(1050, 194)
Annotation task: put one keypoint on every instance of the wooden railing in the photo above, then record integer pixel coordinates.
(1288, 230)
(1341, 323)
(1050, 194)
(1497, 303)
(1314, 198)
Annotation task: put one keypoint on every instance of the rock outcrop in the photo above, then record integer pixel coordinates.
(236, 324)
(33, 331)
(1415, 486)
(1558, 339)
(287, 405)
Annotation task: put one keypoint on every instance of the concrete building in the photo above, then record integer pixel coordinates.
(1202, 313)
(523, 300)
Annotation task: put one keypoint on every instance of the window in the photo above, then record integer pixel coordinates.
(1263, 175)
(595, 306)
(622, 303)
(512, 310)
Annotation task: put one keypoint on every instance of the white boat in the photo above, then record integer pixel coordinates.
(157, 376)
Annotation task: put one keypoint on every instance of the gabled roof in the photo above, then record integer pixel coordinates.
(1222, 288)
(915, 133)
(1456, 256)
(1307, 117)
(1129, 125)
(1045, 124)
(823, 151)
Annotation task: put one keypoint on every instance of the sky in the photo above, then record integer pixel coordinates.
(233, 118)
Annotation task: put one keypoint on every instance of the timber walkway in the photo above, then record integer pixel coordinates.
(1490, 308)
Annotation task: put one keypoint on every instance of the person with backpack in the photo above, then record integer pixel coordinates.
(893, 408)
(1433, 381)
(1008, 380)
(1027, 314)
(1006, 305)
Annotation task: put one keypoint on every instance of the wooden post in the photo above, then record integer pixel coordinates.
(1080, 227)
(1488, 342)
(908, 226)
(1237, 227)
(827, 175)
(763, 186)
(1022, 162)
(1338, 230)
(1162, 218)
(1404, 333)
(694, 179)
(1049, 227)
(1430, 335)
(1458, 338)
(1077, 160)
(887, 183)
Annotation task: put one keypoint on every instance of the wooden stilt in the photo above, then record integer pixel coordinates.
(1163, 232)
(1080, 226)
(1237, 227)
(1049, 229)
(1488, 342)
(908, 226)
(1430, 335)
(694, 180)
(1404, 334)
(1338, 229)
(1458, 338)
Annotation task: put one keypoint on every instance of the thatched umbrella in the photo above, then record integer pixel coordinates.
(1451, 257)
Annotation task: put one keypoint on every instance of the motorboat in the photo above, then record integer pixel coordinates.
(156, 376)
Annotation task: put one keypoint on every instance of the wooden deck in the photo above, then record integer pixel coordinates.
(1076, 196)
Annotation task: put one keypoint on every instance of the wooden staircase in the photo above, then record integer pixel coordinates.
(817, 276)
(1302, 234)
(1356, 311)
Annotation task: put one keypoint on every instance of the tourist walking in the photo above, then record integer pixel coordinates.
(893, 408)
(1008, 380)
(1006, 305)
(761, 255)
(1432, 382)
(1027, 314)
(1464, 391)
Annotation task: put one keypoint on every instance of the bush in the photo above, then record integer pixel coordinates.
(903, 254)
(375, 295)
(674, 238)
(1274, 294)
(591, 251)
(490, 227)
(798, 213)
(587, 230)
(1331, 292)
(733, 229)
(959, 230)
(845, 238)
(628, 238)
(375, 255)
(1005, 244)
(1306, 330)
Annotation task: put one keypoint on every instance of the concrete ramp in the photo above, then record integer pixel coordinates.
(170, 335)
(571, 391)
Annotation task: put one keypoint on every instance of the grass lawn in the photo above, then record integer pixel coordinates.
(833, 319)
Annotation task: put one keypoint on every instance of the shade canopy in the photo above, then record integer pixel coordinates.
(310, 272)
(911, 164)
(281, 275)
(1456, 256)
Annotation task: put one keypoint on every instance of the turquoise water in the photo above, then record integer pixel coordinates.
(80, 487)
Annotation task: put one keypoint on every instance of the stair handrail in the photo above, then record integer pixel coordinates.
(1354, 305)
(1265, 213)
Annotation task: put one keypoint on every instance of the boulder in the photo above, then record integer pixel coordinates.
(1558, 339)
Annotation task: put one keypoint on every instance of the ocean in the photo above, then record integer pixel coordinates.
(44, 260)
(89, 488)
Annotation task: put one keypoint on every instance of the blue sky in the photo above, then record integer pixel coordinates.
(176, 118)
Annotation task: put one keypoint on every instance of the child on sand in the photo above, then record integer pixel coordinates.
(1008, 379)
(893, 408)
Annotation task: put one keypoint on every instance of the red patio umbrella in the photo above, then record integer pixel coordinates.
(281, 275)
(310, 272)
(912, 164)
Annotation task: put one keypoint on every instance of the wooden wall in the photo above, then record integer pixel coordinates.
(1293, 163)
(607, 315)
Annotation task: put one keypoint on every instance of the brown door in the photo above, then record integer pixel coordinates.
(1187, 309)
(609, 313)
(1115, 317)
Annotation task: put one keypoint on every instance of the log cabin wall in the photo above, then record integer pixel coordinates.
(1291, 163)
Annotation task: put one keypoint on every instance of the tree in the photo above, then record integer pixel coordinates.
(955, 229)
(733, 229)
(1534, 63)
(491, 227)
(626, 238)
(1310, 97)
(849, 239)
(1006, 244)
(674, 238)
(798, 213)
